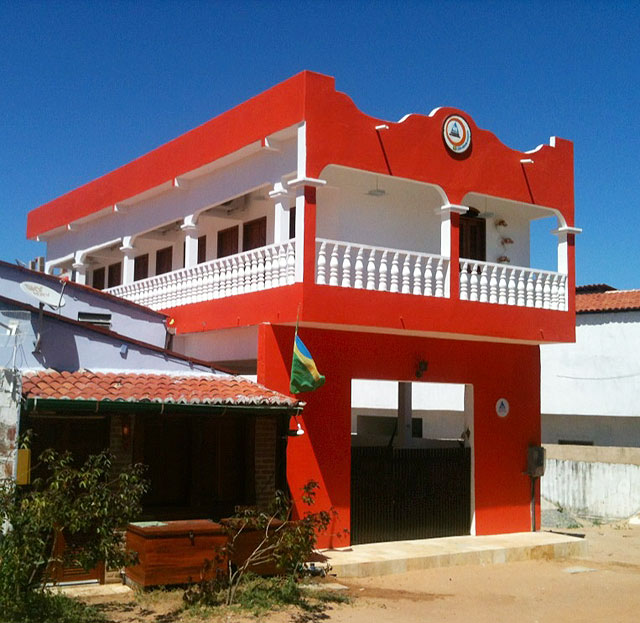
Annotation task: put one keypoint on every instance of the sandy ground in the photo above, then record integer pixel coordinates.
(603, 586)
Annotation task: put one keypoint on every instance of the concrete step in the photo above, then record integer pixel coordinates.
(373, 559)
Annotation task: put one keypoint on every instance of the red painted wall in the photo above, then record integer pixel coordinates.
(495, 370)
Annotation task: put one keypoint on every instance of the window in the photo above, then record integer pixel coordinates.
(202, 249)
(100, 320)
(254, 234)
(292, 222)
(228, 241)
(114, 277)
(473, 236)
(97, 280)
(164, 260)
(141, 267)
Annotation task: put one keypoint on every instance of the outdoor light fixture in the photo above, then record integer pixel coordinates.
(126, 430)
(421, 368)
(296, 432)
(376, 192)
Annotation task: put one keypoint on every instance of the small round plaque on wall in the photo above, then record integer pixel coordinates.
(502, 407)
(457, 134)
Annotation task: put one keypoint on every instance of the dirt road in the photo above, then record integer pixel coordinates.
(603, 587)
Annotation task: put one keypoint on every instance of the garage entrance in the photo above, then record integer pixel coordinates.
(411, 461)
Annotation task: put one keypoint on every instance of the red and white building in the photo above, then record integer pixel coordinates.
(403, 248)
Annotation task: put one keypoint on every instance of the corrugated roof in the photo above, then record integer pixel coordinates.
(206, 389)
(610, 300)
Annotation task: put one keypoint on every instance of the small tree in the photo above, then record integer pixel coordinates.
(279, 541)
(89, 501)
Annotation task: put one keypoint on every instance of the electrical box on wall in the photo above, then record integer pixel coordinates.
(536, 456)
(23, 471)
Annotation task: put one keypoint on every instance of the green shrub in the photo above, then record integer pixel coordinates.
(90, 501)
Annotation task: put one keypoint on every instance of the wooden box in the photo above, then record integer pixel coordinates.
(173, 552)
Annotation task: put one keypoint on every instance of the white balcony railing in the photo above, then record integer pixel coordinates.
(486, 282)
(354, 265)
(260, 269)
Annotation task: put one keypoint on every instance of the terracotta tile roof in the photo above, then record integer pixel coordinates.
(209, 389)
(609, 300)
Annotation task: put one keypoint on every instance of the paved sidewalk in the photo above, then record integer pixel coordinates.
(375, 559)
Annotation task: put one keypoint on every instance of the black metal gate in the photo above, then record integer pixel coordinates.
(409, 494)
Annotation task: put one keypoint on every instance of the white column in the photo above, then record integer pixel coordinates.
(80, 270)
(128, 252)
(563, 246)
(300, 218)
(190, 229)
(281, 197)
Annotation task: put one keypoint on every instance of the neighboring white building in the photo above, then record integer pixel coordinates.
(590, 390)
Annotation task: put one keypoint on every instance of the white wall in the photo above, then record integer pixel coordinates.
(593, 482)
(441, 406)
(265, 167)
(219, 345)
(599, 375)
(404, 218)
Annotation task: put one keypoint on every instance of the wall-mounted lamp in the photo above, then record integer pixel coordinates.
(125, 430)
(124, 349)
(421, 368)
(297, 431)
(376, 192)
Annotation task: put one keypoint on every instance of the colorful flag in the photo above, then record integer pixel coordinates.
(304, 374)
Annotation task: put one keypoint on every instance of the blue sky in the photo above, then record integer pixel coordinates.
(88, 86)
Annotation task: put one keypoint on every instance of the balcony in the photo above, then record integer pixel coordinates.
(351, 265)
(264, 268)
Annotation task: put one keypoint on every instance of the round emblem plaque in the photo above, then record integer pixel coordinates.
(457, 134)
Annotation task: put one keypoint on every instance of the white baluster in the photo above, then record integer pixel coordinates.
(359, 283)
(546, 293)
(521, 289)
(395, 273)
(502, 287)
(562, 293)
(346, 268)
(428, 278)
(417, 277)
(473, 282)
(484, 285)
(267, 268)
(382, 283)
(531, 298)
(539, 291)
(554, 292)
(511, 295)
(235, 273)
(371, 270)
(260, 268)
(282, 264)
(493, 285)
(321, 278)
(240, 263)
(275, 267)
(291, 265)
(228, 277)
(406, 275)
(440, 278)
(253, 284)
(333, 266)
(464, 282)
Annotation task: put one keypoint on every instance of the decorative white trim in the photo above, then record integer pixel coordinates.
(566, 229)
(382, 126)
(306, 181)
(448, 208)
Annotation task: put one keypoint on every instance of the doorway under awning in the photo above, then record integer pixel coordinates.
(211, 442)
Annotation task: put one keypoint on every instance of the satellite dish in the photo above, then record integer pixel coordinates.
(44, 294)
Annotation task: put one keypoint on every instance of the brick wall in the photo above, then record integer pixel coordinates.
(9, 414)
(265, 459)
